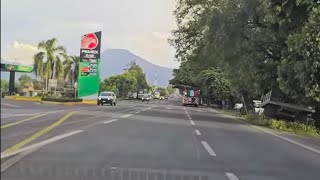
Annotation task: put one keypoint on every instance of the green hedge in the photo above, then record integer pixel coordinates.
(54, 99)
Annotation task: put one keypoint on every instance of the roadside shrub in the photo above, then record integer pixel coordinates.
(295, 127)
(56, 99)
(308, 129)
(256, 119)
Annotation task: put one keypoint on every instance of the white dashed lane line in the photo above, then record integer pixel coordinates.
(127, 115)
(208, 148)
(192, 122)
(197, 132)
(231, 176)
(110, 121)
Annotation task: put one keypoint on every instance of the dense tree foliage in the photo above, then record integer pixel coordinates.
(48, 63)
(257, 44)
(130, 81)
(4, 85)
(24, 80)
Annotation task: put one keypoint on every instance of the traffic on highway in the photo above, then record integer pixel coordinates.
(160, 90)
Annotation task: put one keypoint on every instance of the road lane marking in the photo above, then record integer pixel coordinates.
(40, 144)
(10, 105)
(231, 176)
(192, 122)
(137, 112)
(127, 115)
(279, 136)
(208, 148)
(39, 133)
(21, 121)
(110, 121)
(197, 132)
(199, 110)
(290, 140)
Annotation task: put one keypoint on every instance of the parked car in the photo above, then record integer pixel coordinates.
(107, 97)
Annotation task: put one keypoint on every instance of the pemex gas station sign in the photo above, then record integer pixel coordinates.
(89, 66)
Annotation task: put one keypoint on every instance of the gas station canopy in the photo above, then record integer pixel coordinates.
(16, 68)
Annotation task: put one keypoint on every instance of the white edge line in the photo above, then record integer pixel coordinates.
(197, 132)
(127, 115)
(40, 144)
(10, 105)
(231, 176)
(137, 112)
(284, 138)
(208, 148)
(291, 141)
(192, 122)
(110, 121)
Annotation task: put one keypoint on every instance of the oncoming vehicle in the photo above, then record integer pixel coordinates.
(107, 97)
(145, 97)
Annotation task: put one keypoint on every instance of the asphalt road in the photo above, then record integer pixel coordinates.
(152, 141)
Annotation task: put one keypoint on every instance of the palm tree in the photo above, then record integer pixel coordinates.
(71, 69)
(48, 62)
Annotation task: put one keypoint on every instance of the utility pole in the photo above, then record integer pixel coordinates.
(156, 78)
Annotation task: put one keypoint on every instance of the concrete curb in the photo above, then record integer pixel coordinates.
(20, 98)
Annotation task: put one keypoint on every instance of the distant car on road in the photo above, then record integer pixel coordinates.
(145, 97)
(107, 97)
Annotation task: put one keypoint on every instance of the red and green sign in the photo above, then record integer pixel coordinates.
(18, 68)
(89, 66)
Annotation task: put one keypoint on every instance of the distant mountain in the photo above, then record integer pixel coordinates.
(114, 61)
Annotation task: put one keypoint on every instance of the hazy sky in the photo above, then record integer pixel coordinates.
(141, 26)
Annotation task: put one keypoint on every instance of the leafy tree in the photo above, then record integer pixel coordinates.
(121, 84)
(4, 85)
(213, 83)
(136, 71)
(38, 85)
(71, 69)
(258, 44)
(163, 91)
(48, 62)
(170, 89)
(24, 80)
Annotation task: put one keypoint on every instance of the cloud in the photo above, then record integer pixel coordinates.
(20, 53)
(162, 36)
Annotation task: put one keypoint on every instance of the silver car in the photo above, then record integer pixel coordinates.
(107, 97)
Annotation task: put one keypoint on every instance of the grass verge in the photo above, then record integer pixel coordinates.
(307, 129)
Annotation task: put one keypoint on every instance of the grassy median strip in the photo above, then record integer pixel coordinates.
(38, 134)
(22, 121)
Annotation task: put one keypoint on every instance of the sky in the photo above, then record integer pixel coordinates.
(140, 26)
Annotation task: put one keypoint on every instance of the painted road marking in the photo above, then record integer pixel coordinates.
(199, 110)
(40, 144)
(21, 121)
(127, 115)
(290, 140)
(231, 176)
(39, 133)
(192, 122)
(110, 121)
(10, 105)
(279, 136)
(208, 148)
(137, 112)
(197, 132)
